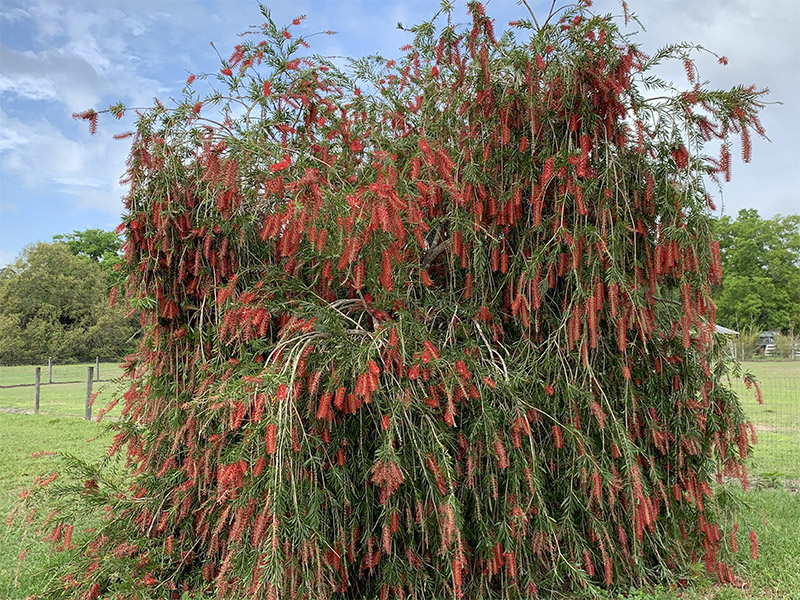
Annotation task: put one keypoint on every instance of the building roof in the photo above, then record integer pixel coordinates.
(725, 330)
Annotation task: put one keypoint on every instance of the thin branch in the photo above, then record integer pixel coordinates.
(533, 16)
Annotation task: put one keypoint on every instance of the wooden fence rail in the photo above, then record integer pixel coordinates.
(92, 376)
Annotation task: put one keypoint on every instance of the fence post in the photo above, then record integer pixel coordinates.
(38, 380)
(87, 411)
(50, 368)
(97, 369)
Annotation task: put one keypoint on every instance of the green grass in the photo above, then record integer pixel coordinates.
(773, 511)
(21, 436)
(59, 399)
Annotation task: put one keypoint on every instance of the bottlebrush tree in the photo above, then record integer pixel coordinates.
(431, 327)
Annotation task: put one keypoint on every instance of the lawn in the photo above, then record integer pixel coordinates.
(22, 435)
(773, 509)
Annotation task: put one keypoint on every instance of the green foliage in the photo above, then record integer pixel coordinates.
(54, 304)
(97, 245)
(761, 272)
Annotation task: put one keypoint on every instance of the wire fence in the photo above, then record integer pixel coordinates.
(776, 422)
(75, 388)
(55, 390)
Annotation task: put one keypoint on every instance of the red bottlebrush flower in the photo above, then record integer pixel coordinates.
(753, 545)
(549, 390)
(468, 285)
(324, 405)
(425, 278)
(431, 349)
(385, 422)
(725, 161)
(732, 540)
(511, 564)
(267, 88)
(190, 79)
(355, 146)
(489, 382)
(597, 485)
(747, 148)
(280, 166)
(197, 107)
(688, 66)
(523, 144)
(759, 395)
(681, 156)
(723, 60)
(226, 71)
(540, 62)
(259, 466)
(149, 580)
(282, 392)
(558, 441)
(547, 172)
(587, 563)
(286, 35)
(437, 473)
(500, 453)
(272, 431)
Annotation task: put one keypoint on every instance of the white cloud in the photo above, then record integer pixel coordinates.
(13, 14)
(40, 156)
(9, 139)
(27, 87)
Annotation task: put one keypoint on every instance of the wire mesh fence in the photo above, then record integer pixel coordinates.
(777, 420)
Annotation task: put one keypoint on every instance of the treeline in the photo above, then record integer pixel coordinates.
(54, 297)
(54, 302)
(760, 288)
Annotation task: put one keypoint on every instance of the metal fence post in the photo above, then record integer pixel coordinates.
(38, 384)
(87, 411)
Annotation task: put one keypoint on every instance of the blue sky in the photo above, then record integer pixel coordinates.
(58, 57)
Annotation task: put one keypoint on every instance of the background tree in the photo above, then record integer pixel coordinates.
(97, 245)
(761, 271)
(54, 304)
(439, 327)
